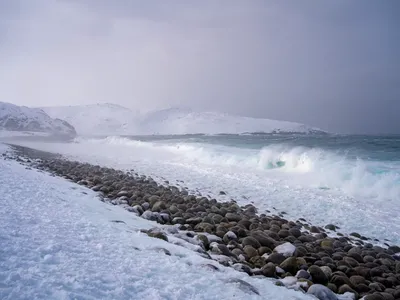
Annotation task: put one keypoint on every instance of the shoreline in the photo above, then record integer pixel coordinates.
(260, 245)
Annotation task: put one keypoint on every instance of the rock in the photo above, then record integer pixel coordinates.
(263, 239)
(229, 236)
(295, 232)
(276, 258)
(327, 271)
(250, 251)
(303, 274)
(249, 240)
(387, 296)
(330, 227)
(355, 234)
(269, 270)
(194, 220)
(156, 233)
(264, 250)
(158, 206)
(286, 249)
(374, 297)
(233, 217)
(290, 265)
(314, 229)
(339, 280)
(244, 286)
(397, 267)
(379, 287)
(149, 215)
(357, 279)
(350, 261)
(321, 292)
(318, 276)
(204, 227)
(327, 243)
(258, 261)
(347, 289)
(242, 268)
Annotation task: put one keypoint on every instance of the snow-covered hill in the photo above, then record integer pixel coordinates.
(186, 121)
(111, 119)
(18, 119)
(97, 119)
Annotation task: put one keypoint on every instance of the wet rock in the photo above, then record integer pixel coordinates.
(244, 286)
(318, 276)
(303, 274)
(347, 289)
(233, 217)
(314, 229)
(251, 241)
(276, 258)
(295, 232)
(269, 270)
(156, 233)
(321, 292)
(327, 271)
(377, 296)
(263, 239)
(290, 265)
(250, 251)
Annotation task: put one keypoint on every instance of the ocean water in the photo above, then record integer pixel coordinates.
(350, 181)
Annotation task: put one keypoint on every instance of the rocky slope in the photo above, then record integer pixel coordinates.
(15, 118)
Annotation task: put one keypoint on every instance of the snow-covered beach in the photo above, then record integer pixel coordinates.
(74, 246)
(58, 241)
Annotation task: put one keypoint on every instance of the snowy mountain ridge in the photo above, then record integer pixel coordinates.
(112, 119)
(14, 118)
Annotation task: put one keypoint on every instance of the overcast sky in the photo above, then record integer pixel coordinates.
(330, 64)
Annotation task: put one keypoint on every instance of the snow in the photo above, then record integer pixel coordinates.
(58, 242)
(286, 249)
(21, 118)
(111, 119)
(97, 119)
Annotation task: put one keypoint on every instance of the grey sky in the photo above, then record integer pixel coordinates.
(331, 64)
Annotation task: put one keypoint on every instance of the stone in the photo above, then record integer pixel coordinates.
(276, 258)
(290, 265)
(314, 229)
(229, 236)
(244, 286)
(295, 232)
(351, 261)
(250, 251)
(321, 292)
(263, 239)
(269, 270)
(317, 275)
(330, 227)
(286, 249)
(251, 241)
(303, 274)
(156, 233)
(233, 217)
(357, 279)
(327, 271)
(377, 296)
(347, 289)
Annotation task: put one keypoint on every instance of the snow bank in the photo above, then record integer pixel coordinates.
(59, 242)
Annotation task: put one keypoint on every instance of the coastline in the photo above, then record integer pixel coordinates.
(290, 252)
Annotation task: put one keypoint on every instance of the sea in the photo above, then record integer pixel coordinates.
(351, 181)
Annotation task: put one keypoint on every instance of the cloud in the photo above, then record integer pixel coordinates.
(332, 65)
